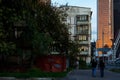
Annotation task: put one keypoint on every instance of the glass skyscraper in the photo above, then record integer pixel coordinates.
(104, 24)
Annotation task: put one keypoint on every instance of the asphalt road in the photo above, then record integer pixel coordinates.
(86, 75)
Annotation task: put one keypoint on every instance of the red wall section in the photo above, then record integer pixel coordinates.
(51, 63)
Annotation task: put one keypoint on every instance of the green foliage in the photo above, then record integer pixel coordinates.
(34, 72)
(73, 48)
(7, 47)
(70, 69)
(41, 25)
(28, 26)
(115, 70)
(83, 65)
(41, 43)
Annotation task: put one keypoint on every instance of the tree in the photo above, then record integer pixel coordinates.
(7, 46)
(33, 26)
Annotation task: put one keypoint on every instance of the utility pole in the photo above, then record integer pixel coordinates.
(98, 51)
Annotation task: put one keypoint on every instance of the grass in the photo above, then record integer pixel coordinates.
(115, 70)
(38, 74)
(33, 73)
(85, 66)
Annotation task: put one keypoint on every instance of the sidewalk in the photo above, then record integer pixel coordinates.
(86, 75)
(77, 75)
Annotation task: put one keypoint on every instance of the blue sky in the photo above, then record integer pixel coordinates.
(83, 3)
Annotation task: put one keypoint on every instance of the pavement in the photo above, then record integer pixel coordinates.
(77, 75)
(86, 75)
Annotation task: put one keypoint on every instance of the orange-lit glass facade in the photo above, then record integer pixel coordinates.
(104, 24)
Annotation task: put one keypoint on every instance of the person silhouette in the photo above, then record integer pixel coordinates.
(101, 66)
(93, 65)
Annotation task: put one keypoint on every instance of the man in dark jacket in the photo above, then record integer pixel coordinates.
(101, 66)
(93, 64)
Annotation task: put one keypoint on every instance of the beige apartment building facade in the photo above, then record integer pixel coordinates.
(45, 1)
(79, 26)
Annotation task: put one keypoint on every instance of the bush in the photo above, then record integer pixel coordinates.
(83, 65)
(115, 70)
(33, 72)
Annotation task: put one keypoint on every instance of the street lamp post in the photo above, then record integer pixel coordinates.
(97, 49)
(112, 48)
(102, 43)
(113, 57)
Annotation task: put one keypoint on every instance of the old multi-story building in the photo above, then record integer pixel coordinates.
(79, 25)
(104, 25)
(45, 1)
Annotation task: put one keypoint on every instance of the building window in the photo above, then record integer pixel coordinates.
(83, 48)
(83, 37)
(82, 18)
(83, 29)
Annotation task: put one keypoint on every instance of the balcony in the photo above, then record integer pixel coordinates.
(83, 53)
(83, 32)
(82, 22)
(84, 42)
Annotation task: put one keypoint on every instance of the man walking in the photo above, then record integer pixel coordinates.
(93, 64)
(101, 66)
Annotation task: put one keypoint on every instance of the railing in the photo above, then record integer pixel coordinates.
(84, 53)
(117, 42)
